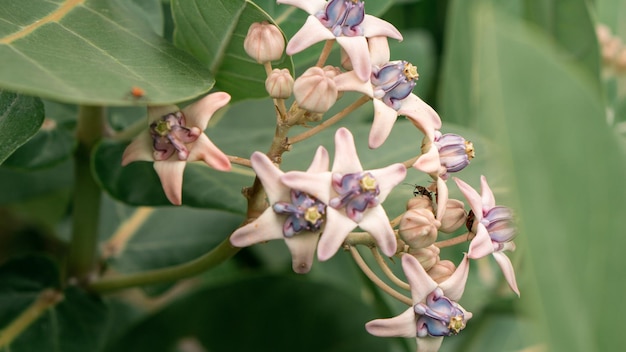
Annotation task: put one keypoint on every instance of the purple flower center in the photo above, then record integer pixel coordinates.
(500, 225)
(304, 213)
(357, 192)
(439, 316)
(343, 17)
(169, 135)
(455, 152)
(393, 82)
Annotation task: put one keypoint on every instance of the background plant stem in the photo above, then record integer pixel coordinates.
(86, 201)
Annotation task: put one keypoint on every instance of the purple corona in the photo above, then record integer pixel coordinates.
(304, 213)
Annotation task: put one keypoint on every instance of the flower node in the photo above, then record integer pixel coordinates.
(169, 135)
(304, 213)
(357, 192)
(393, 82)
(439, 316)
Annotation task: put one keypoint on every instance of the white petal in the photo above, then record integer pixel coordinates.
(266, 227)
(421, 114)
(489, 201)
(346, 158)
(320, 161)
(442, 198)
(337, 228)
(375, 27)
(384, 118)
(388, 178)
(204, 149)
(199, 113)
(316, 184)
(473, 198)
(376, 222)
(269, 175)
(379, 50)
(348, 81)
(357, 50)
(429, 162)
(310, 6)
(507, 270)
(429, 344)
(311, 32)
(454, 286)
(402, 325)
(481, 245)
(171, 175)
(421, 284)
(302, 247)
(139, 149)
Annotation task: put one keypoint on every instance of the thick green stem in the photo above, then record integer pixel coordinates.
(86, 202)
(211, 259)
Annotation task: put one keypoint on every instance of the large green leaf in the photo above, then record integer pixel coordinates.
(214, 31)
(565, 170)
(76, 324)
(265, 313)
(92, 52)
(20, 185)
(20, 118)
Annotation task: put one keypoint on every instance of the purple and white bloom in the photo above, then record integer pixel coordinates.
(293, 215)
(175, 137)
(390, 86)
(355, 198)
(446, 153)
(344, 21)
(494, 228)
(435, 312)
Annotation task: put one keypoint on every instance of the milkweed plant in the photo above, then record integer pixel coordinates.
(305, 175)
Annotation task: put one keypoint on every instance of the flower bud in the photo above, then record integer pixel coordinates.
(418, 228)
(454, 217)
(279, 83)
(427, 256)
(264, 42)
(315, 91)
(455, 152)
(420, 202)
(441, 271)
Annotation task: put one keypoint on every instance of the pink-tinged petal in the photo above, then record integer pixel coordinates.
(384, 118)
(316, 184)
(302, 247)
(429, 344)
(489, 201)
(139, 149)
(358, 52)
(156, 112)
(421, 284)
(346, 158)
(387, 178)
(376, 222)
(320, 161)
(204, 149)
(454, 286)
(199, 113)
(375, 27)
(473, 198)
(338, 226)
(379, 50)
(481, 245)
(507, 270)
(311, 32)
(310, 6)
(349, 81)
(402, 325)
(171, 175)
(269, 175)
(421, 114)
(266, 227)
(429, 162)
(442, 198)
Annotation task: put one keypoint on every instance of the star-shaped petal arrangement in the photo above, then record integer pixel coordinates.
(176, 137)
(435, 312)
(390, 85)
(345, 21)
(494, 228)
(301, 228)
(355, 199)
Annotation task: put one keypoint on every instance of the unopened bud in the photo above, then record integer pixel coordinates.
(427, 256)
(420, 202)
(279, 83)
(441, 271)
(454, 217)
(418, 228)
(455, 152)
(315, 91)
(264, 42)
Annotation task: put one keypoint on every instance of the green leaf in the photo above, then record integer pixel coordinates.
(76, 324)
(93, 52)
(20, 118)
(214, 31)
(19, 185)
(564, 170)
(265, 313)
(138, 183)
